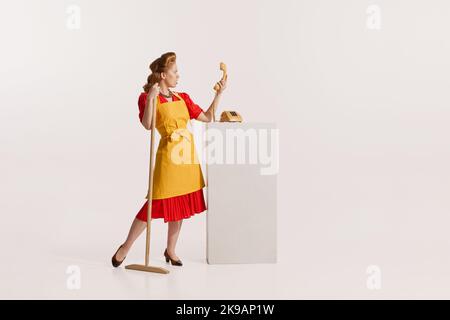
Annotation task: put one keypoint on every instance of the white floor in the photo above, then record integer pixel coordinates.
(74, 221)
(41, 268)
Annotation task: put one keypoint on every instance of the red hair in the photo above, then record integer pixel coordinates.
(162, 64)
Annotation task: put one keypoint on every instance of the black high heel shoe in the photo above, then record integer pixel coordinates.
(116, 262)
(172, 261)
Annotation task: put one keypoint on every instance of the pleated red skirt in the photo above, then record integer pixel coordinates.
(175, 208)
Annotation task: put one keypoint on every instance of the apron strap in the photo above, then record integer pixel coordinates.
(177, 94)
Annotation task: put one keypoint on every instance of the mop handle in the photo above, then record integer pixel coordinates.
(150, 181)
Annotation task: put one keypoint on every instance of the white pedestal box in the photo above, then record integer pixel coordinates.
(241, 186)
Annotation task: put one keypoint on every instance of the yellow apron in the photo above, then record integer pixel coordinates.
(177, 169)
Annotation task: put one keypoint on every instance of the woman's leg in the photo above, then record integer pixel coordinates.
(136, 229)
(172, 237)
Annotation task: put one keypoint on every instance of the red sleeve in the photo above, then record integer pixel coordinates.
(141, 104)
(193, 108)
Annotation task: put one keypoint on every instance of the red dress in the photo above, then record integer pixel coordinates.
(179, 207)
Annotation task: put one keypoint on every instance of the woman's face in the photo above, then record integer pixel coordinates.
(171, 76)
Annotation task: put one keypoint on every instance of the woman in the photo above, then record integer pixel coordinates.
(177, 183)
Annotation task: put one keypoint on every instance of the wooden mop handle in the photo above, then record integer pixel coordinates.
(150, 182)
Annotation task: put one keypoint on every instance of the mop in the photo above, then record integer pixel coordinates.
(146, 267)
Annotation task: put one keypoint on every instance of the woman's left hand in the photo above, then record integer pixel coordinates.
(222, 85)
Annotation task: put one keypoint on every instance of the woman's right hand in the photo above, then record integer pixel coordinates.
(154, 91)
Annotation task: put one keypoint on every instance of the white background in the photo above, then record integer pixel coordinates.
(363, 118)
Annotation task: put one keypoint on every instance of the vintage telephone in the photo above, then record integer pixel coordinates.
(230, 116)
(226, 116)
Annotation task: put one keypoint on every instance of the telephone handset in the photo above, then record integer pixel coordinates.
(226, 116)
(223, 67)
